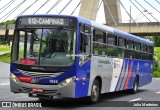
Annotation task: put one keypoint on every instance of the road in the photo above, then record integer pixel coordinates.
(107, 101)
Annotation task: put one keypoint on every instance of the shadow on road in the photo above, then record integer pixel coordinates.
(105, 101)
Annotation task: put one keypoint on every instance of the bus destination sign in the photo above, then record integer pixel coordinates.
(44, 21)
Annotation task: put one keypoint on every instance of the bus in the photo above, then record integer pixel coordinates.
(73, 57)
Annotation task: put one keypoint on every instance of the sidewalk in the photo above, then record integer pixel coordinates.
(2, 53)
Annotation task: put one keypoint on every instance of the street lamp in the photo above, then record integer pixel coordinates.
(143, 16)
(139, 16)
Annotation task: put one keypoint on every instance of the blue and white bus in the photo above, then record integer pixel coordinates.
(67, 56)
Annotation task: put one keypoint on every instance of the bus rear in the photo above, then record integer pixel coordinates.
(43, 56)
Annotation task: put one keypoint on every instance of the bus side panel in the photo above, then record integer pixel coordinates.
(103, 68)
(117, 74)
(141, 68)
(82, 82)
(135, 71)
(145, 72)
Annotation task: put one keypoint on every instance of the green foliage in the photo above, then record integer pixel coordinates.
(156, 40)
(156, 65)
(8, 22)
(156, 74)
(157, 52)
(156, 62)
(5, 49)
(5, 58)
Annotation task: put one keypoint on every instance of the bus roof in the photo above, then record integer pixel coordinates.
(115, 31)
(102, 27)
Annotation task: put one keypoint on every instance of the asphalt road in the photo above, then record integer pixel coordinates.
(109, 101)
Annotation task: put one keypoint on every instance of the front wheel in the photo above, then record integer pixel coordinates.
(95, 91)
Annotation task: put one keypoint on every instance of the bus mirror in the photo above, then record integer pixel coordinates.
(6, 34)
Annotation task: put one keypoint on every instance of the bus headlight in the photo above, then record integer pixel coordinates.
(14, 78)
(66, 82)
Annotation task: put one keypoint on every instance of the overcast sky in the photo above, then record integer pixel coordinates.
(100, 15)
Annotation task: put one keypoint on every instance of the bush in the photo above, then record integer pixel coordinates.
(156, 74)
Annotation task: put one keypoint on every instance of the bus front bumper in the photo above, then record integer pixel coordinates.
(48, 90)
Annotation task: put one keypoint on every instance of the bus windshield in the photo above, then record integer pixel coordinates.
(44, 47)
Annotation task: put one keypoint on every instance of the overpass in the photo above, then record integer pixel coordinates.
(3, 28)
(112, 11)
(140, 29)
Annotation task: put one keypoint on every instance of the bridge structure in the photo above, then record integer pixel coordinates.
(113, 17)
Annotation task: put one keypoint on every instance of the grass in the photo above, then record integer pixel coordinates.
(5, 49)
(5, 58)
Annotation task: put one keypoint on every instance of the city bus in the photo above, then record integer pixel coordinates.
(73, 57)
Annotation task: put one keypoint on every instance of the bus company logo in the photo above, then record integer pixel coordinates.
(37, 68)
(116, 65)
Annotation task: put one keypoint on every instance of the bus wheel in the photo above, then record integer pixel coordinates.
(44, 99)
(95, 91)
(135, 86)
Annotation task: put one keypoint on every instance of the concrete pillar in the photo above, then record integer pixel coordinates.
(114, 8)
(89, 9)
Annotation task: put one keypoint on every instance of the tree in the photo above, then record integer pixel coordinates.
(8, 22)
(156, 40)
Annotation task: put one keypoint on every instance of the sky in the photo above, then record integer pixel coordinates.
(135, 13)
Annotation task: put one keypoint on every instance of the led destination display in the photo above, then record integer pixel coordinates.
(44, 21)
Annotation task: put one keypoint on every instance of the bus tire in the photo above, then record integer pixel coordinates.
(135, 86)
(43, 99)
(95, 91)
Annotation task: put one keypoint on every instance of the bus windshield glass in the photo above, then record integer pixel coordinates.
(44, 47)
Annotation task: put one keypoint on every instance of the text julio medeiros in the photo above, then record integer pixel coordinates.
(145, 104)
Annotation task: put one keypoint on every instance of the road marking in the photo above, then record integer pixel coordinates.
(135, 99)
(158, 92)
(5, 84)
(156, 78)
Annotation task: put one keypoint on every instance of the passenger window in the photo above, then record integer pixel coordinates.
(137, 55)
(111, 39)
(150, 57)
(121, 42)
(150, 49)
(130, 44)
(99, 36)
(130, 54)
(137, 46)
(144, 56)
(113, 51)
(99, 49)
(143, 48)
